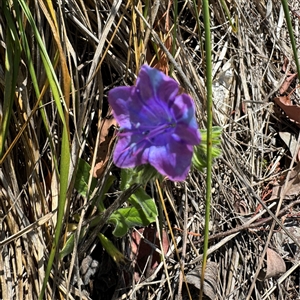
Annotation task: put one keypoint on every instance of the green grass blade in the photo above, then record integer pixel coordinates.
(16, 15)
(65, 147)
(291, 34)
(12, 62)
(228, 15)
(29, 63)
(49, 69)
(64, 174)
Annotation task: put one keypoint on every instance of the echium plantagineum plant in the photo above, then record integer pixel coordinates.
(157, 125)
(158, 130)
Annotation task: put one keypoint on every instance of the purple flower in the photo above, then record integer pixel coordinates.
(157, 125)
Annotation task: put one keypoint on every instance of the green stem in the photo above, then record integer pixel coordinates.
(12, 64)
(291, 34)
(208, 71)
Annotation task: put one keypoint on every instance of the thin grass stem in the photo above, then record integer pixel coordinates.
(291, 34)
(208, 72)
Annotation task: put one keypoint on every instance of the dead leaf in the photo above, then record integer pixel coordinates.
(291, 110)
(145, 258)
(293, 187)
(161, 63)
(105, 144)
(291, 142)
(289, 79)
(210, 279)
(296, 13)
(275, 266)
(285, 64)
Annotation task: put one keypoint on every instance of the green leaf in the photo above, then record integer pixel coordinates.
(111, 249)
(142, 212)
(82, 178)
(141, 174)
(69, 245)
(81, 184)
(199, 156)
(216, 133)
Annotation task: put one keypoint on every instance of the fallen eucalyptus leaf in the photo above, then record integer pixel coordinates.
(210, 279)
(275, 266)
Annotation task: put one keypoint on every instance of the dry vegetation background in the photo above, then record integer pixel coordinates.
(256, 177)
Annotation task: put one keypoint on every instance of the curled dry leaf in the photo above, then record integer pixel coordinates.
(210, 280)
(275, 266)
(285, 65)
(240, 206)
(291, 110)
(105, 144)
(296, 13)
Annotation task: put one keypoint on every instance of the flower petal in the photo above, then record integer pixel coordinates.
(131, 151)
(172, 160)
(131, 111)
(186, 135)
(184, 112)
(118, 98)
(156, 89)
(184, 109)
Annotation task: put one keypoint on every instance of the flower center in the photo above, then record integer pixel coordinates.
(151, 132)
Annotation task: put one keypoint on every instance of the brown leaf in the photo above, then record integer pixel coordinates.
(289, 79)
(285, 64)
(210, 279)
(275, 266)
(292, 111)
(164, 31)
(143, 253)
(104, 145)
